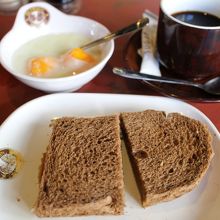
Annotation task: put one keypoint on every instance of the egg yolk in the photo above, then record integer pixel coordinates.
(41, 66)
(80, 54)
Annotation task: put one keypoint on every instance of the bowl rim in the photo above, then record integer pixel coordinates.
(27, 77)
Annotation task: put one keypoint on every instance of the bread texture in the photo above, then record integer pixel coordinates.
(82, 169)
(169, 153)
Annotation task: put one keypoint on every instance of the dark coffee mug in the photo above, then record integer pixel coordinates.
(187, 50)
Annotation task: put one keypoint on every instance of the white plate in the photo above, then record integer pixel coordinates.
(27, 131)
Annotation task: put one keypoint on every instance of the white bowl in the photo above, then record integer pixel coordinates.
(38, 19)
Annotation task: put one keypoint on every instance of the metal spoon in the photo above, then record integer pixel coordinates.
(212, 86)
(132, 27)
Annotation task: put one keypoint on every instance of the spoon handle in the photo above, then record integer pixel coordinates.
(136, 75)
(132, 27)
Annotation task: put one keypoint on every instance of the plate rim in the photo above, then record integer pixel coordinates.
(112, 94)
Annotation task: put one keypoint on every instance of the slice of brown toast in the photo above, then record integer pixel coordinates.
(169, 154)
(82, 169)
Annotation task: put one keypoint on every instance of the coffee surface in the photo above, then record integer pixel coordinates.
(198, 18)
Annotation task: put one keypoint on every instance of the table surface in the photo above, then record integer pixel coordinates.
(114, 14)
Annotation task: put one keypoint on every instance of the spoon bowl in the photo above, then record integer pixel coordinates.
(211, 86)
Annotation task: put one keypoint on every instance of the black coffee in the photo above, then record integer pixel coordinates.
(198, 18)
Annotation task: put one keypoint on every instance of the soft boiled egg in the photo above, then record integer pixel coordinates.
(71, 63)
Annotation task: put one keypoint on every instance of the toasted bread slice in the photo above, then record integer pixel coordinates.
(82, 169)
(169, 154)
